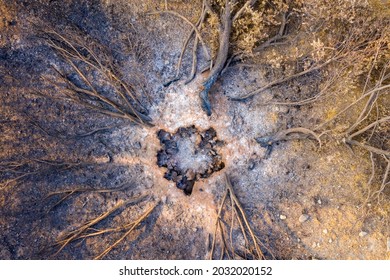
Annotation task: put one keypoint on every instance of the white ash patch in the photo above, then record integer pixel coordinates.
(181, 107)
(189, 158)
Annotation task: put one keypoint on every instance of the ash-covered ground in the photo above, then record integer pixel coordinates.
(74, 181)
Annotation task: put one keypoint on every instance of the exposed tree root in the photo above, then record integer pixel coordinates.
(222, 55)
(347, 48)
(194, 29)
(89, 228)
(325, 91)
(82, 59)
(362, 131)
(253, 245)
(132, 226)
(64, 136)
(16, 171)
(219, 63)
(288, 134)
(284, 79)
(65, 194)
(75, 234)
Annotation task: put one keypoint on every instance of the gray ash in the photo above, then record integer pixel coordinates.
(189, 155)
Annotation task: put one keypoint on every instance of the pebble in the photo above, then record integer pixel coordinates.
(282, 217)
(330, 240)
(325, 231)
(303, 218)
(363, 233)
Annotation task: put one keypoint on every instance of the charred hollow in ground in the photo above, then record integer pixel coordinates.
(189, 155)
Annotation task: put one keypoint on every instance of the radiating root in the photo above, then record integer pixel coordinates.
(133, 226)
(385, 181)
(63, 136)
(323, 92)
(277, 38)
(217, 223)
(258, 253)
(17, 171)
(194, 27)
(345, 49)
(217, 67)
(195, 30)
(65, 194)
(222, 55)
(288, 134)
(369, 123)
(81, 57)
(252, 242)
(73, 235)
(285, 79)
(86, 229)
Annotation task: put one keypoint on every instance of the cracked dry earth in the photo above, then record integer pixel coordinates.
(301, 202)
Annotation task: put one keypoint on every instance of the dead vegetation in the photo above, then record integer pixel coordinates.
(371, 123)
(231, 224)
(16, 172)
(362, 38)
(225, 17)
(91, 79)
(90, 230)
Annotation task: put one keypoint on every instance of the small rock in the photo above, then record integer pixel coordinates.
(314, 245)
(363, 233)
(303, 218)
(194, 229)
(319, 201)
(330, 240)
(325, 231)
(251, 165)
(388, 244)
(282, 217)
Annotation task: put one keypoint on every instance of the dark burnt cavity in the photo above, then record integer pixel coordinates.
(189, 155)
